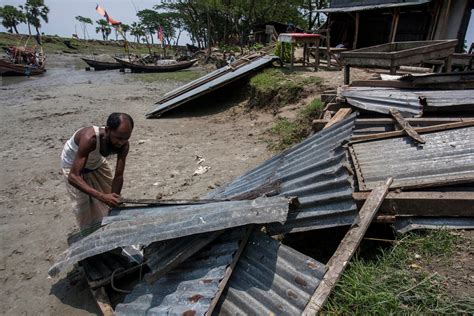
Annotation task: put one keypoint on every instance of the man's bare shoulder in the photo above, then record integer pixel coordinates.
(86, 137)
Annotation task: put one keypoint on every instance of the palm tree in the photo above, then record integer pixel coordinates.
(83, 22)
(35, 11)
(11, 17)
(104, 28)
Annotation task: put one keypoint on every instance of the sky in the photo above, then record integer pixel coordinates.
(62, 15)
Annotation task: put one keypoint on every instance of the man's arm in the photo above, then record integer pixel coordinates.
(86, 146)
(117, 183)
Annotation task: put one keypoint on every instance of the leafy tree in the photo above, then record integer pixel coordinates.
(125, 28)
(104, 28)
(35, 11)
(150, 20)
(137, 30)
(11, 17)
(83, 22)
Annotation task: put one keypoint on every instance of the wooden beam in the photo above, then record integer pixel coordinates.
(103, 301)
(423, 203)
(419, 130)
(393, 30)
(356, 30)
(406, 126)
(339, 116)
(346, 248)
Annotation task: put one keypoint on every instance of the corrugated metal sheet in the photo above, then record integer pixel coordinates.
(447, 157)
(372, 7)
(208, 84)
(144, 225)
(314, 171)
(270, 279)
(404, 225)
(189, 288)
(408, 102)
(382, 125)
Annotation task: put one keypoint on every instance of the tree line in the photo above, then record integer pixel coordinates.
(208, 22)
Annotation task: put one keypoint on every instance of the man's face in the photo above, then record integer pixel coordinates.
(117, 138)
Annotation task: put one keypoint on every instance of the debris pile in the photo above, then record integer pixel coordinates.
(381, 153)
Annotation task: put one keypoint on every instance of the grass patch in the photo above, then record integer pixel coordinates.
(267, 79)
(175, 76)
(399, 281)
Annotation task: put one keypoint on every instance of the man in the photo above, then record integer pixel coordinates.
(88, 176)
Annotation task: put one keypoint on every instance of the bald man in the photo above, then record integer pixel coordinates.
(89, 181)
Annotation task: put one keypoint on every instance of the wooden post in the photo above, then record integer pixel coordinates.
(346, 249)
(292, 56)
(356, 32)
(393, 31)
(347, 74)
(448, 63)
(102, 299)
(305, 47)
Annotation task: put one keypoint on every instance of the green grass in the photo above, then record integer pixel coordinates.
(268, 79)
(187, 75)
(399, 281)
(312, 110)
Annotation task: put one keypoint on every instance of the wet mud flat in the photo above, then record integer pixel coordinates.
(39, 114)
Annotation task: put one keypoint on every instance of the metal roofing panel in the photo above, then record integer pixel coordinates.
(446, 157)
(188, 289)
(144, 225)
(270, 279)
(314, 171)
(209, 86)
(406, 224)
(372, 7)
(409, 102)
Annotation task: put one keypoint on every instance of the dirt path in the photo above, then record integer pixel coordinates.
(38, 115)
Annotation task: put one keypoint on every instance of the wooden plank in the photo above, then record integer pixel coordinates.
(393, 31)
(406, 126)
(346, 248)
(413, 85)
(423, 203)
(103, 301)
(356, 30)
(419, 130)
(229, 270)
(339, 116)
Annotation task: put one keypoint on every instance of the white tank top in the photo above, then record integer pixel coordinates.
(94, 160)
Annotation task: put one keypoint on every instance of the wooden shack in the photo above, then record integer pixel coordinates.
(358, 24)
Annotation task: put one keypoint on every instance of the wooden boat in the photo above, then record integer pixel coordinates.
(137, 67)
(102, 65)
(7, 68)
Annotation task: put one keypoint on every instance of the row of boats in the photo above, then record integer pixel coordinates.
(140, 64)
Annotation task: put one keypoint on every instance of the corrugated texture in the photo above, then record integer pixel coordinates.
(406, 224)
(142, 226)
(408, 102)
(382, 125)
(314, 171)
(270, 279)
(189, 288)
(372, 7)
(208, 85)
(447, 157)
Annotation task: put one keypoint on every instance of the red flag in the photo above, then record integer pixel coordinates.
(104, 13)
(160, 34)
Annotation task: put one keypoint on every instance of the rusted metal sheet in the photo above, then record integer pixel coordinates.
(447, 157)
(270, 279)
(408, 102)
(404, 225)
(364, 6)
(142, 226)
(190, 288)
(208, 83)
(315, 171)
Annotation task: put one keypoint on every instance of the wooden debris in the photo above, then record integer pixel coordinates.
(406, 126)
(346, 249)
(103, 301)
(340, 115)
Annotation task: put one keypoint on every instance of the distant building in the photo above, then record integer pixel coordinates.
(263, 32)
(358, 23)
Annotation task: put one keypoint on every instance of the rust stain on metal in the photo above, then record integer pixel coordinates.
(206, 281)
(195, 298)
(311, 265)
(189, 313)
(299, 280)
(292, 294)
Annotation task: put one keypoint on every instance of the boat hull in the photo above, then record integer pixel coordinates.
(9, 69)
(102, 65)
(156, 68)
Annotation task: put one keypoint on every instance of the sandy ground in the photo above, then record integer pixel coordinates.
(39, 114)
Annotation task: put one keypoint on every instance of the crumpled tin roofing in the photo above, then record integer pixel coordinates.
(209, 83)
(355, 8)
(189, 288)
(447, 157)
(404, 225)
(408, 102)
(315, 172)
(144, 225)
(270, 279)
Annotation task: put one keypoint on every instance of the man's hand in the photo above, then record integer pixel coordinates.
(111, 199)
